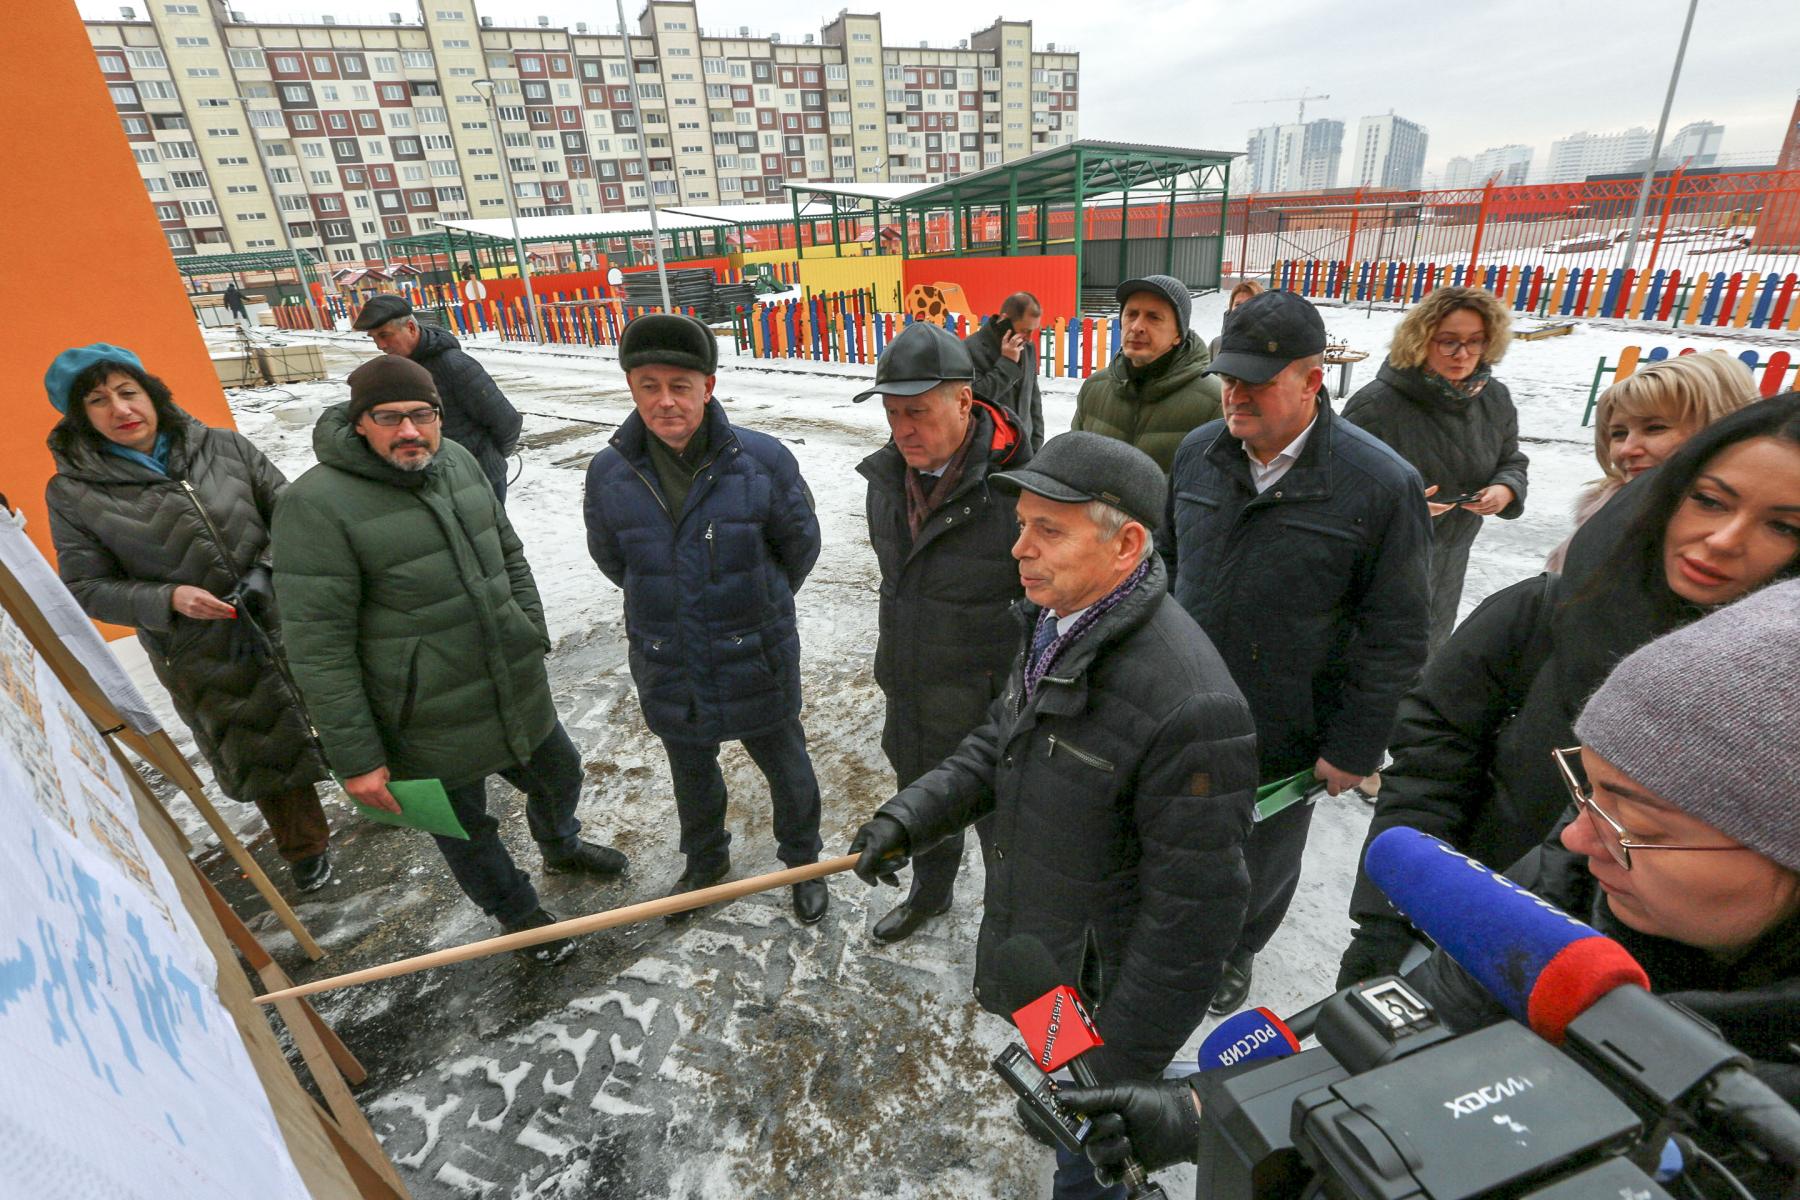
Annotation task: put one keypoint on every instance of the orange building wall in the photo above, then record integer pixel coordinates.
(85, 260)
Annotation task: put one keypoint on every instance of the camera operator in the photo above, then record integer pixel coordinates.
(1683, 844)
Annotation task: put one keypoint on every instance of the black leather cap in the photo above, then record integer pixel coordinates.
(1265, 333)
(380, 310)
(1076, 467)
(920, 357)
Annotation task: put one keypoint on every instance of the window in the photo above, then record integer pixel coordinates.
(456, 43)
(156, 184)
(295, 204)
(305, 121)
(374, 147)
(312, 150)
(432, 116)
(200, 208)
(448, 194)
(393, 91)
(250, 216)
(439, 141)
(405, 145)
(444, 168)
(338, 120)
(512, 112)
(235, 160)
(352, 64)
(193, 41)
(413, 173)
(156, 89)
(146, 154)
(416, 58)
(179, 150)
(296, 93)
(331, 204)
(112, 64)
(135, 124)
(126, 94)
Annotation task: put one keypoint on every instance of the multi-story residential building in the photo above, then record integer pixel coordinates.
(1697, 144)
(333, 138)
(1390, 152)
(1294, 158)
(1580, 155)
(1506, 165)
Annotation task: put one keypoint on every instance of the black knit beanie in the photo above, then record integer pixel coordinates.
(670, 339)
(389, 379)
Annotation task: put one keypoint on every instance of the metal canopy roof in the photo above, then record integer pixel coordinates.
(1052, 176)
(578, 227)
(886, 193)
(225, 264)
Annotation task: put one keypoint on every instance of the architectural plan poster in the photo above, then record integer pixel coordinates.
(121, 1075)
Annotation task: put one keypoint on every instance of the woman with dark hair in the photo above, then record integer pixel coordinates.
(1718, 520)
(161, 523)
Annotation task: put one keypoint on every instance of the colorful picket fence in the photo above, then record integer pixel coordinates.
(1739, 300)
(1770, 373)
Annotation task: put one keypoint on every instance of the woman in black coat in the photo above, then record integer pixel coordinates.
(161, 523)
(1436, 402)
(1472, 744)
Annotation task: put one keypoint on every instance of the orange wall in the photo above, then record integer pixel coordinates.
(987, 280)
(85, 259)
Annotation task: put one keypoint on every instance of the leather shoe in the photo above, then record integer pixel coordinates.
(313, 872)
(811, 899)
(695, 878)
(587, 858)
(1234, 983)
(544, 954)
(903, 920)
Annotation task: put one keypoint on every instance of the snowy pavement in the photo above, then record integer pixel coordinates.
(742, 1054)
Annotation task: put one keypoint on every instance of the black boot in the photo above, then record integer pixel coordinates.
(904, 920)
(587, 858)
(811, 899)
(313, 872)
(696, 877)
(544, 954)
(1234, 983)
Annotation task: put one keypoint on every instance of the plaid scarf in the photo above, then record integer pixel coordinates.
(1458, 390)
(1034, 671)
(920, 504)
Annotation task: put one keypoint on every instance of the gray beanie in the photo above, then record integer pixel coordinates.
(1705, 718)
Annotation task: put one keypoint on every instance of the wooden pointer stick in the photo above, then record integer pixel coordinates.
(573, 927)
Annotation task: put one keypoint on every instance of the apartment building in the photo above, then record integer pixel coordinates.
(1295, 158)
(1390, 152)
(334, 137)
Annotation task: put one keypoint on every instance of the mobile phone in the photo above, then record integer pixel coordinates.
(1038, 1091)
(1003, 325)
(1465, 498)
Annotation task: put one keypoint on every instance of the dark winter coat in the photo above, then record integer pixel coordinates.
(1000, 380)
(1754, 1000)
(1461, 445)
(1153, 408)
(1120, 798)
(1472, 745)
(1314, 591)
(709, 591)
(477, 416)
(127, 537)
(947, 632)
(414, 627)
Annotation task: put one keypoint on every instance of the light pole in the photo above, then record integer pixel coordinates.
(312, 315)
(486, 88)
(637, 114)
(1643, 198)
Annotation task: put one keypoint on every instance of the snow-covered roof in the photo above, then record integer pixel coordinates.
(583, 226)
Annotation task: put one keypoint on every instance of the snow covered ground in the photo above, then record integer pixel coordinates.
(740, 1054)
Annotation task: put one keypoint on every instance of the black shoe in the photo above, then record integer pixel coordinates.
(545, 954)
(695, 878)
(313, 872)
(811, 899)
(904, 921)
(1234, 983)
(587, 858)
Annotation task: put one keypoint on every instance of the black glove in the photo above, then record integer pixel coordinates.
(1376, 948)
(255, 592)
(1156, 1123)
(884, 847)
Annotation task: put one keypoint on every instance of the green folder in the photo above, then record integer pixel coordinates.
(423, 805)
(1272, 798)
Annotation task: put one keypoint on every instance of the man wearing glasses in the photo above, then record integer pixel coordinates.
(416, 635)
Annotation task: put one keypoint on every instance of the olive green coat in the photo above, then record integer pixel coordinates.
(1154, 408)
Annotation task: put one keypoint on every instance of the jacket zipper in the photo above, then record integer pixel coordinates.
(712, 555)
(1078, 754)
(206, 519)
(409, 698)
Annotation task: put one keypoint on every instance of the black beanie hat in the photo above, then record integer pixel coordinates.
(387, 379)
(670, 339)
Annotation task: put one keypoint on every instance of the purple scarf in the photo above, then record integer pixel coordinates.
(1035, 671)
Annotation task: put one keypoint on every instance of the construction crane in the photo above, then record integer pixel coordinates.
(1302, 98)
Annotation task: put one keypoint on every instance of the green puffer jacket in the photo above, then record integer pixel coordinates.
(1156, 407)
(412, 623)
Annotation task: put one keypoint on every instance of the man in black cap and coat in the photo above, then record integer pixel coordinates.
(477, 415)
(709, 529)
(1300, 545)
(943, 534)
(1116, 769)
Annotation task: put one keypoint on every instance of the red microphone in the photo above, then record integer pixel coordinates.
(1056, 1028)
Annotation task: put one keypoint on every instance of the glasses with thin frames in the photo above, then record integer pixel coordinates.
(1450, 347)
(388, 418)
(1618, 840)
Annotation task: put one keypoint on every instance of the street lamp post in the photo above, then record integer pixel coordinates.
(312, 316)
(637, 115)
(486, 88)
(1643, 196)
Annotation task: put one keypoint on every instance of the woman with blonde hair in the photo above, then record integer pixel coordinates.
(1245, 289)
(1645, 417)
(1436, 402)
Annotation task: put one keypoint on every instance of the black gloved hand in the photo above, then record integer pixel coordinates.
(1376, 948)
(1156, 1123)
(256, 592)
(884, 847)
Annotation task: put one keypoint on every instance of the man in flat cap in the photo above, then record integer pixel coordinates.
(477, 415)
(709, 529)
(1116, 768)
(1300, 545)
(942, 532)
(414, 630)
(1156, 391)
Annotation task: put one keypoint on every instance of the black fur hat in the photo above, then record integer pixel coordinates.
(670, 339)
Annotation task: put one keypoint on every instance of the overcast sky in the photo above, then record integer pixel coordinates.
(1475, 74)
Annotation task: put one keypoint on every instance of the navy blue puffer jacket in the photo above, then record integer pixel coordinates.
(709, 591)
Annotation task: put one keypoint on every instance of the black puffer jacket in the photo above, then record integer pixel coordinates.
(1314, 591)
(1460, 444)
(1120, 797)
(477, 416)
(127, 537)
(1754, 999)
(948, 636)
(1472, 746)
(1000, 380)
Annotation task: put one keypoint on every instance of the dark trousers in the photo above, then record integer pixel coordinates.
(551, 781)
(781, 756)
(1451, 537)
(1273, 853)
(934, 872)
(296, 821)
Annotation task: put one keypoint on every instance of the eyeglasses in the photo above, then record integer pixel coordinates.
(1450, 347)
(388, 418)
(1615, 837)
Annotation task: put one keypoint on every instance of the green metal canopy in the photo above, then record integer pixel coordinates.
(262, 260)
